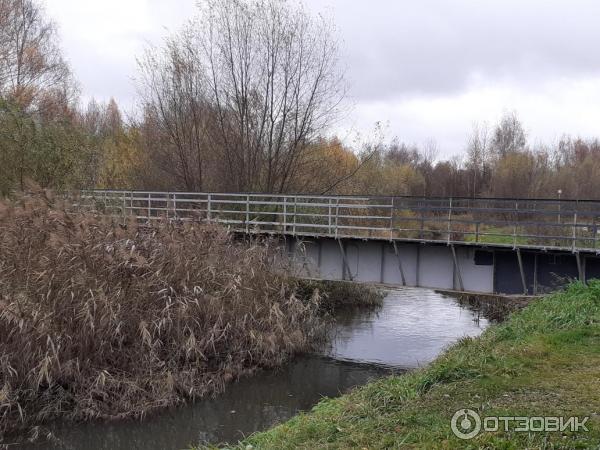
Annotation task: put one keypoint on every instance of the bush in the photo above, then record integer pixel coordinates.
(104, 319)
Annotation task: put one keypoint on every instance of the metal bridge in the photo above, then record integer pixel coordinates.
(512, 246)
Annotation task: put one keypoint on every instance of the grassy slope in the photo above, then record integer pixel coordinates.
(544, 361)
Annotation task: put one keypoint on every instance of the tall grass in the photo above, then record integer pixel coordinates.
(100, 319)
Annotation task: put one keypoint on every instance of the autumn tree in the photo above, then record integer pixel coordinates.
(112, 148)
(513, 175)
(31, 63)
(509, 135)
(38, 138)
(326, 167)
(50, 154)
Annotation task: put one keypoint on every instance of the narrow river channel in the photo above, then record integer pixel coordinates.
(409, 331)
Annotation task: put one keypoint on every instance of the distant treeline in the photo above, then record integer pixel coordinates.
(243, 99)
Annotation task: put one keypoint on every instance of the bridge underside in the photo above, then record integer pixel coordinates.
(483, 269)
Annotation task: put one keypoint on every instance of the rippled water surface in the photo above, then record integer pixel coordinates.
(410, 330)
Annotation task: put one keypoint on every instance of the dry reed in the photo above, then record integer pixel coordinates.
(100, 319)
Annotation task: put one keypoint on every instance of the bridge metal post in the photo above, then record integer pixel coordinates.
(247, 214)
(421, 231)
(580, 268)
(449, 220)
(284, 215)
(392, 219)
(130, 202)
(457, 268)
(345, 265)
(149, 206)
(329, 217)
(175, 206)
(337, 211)
(522, 271)
(399, 263)
(295, 212)
(123, 207)
(574, 230)
(515, 226)
(594, 229)
(208, 207)
(167, 198)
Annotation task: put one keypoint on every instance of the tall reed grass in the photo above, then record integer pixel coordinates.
(101, 319)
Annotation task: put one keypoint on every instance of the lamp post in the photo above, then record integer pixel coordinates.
(559, 194)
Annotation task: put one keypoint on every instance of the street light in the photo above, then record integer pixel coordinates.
(559, 194)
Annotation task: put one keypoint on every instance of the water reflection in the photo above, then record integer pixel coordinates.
(254, 403)
(409, 330)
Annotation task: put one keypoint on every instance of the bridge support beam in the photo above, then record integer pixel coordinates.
(580, 268)
(399, 263)
(522, 270)
(345, 265)
(457, 268)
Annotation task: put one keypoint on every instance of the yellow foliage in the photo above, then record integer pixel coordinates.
(122, 156)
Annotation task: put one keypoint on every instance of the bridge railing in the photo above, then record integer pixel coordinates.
(550, 224)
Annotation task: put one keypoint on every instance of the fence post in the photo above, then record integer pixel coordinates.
(515, 226)
(167, 196)
(594, 229)
(247, 214)
(392, 209)
(574, 229)
(295, 211)
(123, 206)
(284, 214)
(422, 230)
(329, 217)
(149, 206)
(209, 208)
(175, 205)
(337, 211)
(450, 220)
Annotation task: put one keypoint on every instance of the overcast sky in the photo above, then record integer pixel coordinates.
(429, 69)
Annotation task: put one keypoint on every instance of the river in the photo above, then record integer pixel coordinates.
(411, 328)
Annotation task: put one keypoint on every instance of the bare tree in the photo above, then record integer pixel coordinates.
(173, 90)
(31, 62)
(478, 153)
(274, 85)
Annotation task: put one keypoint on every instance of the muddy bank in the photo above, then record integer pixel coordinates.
(495, 308)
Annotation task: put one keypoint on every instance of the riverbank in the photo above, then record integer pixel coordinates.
(543, 361)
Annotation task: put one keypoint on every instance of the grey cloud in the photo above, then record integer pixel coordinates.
(407, 48)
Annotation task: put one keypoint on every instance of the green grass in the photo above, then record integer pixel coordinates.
(543, 361)
(497, 235)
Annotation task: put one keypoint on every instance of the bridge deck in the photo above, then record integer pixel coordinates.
(541, 224)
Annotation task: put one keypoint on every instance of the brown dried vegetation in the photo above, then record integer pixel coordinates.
(106, 320)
